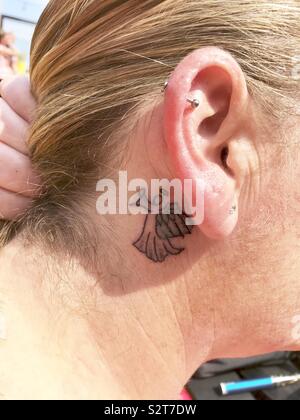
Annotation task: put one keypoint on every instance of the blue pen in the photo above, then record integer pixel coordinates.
(254, 385)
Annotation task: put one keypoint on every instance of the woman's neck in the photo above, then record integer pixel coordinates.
(67, 338)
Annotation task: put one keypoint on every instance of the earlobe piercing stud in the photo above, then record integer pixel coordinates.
(166, 85)
(233, 210)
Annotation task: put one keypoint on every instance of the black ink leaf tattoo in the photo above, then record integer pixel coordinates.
(159, 230)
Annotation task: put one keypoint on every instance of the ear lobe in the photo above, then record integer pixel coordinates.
(199, 138)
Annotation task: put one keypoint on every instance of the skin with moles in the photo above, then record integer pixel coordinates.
(134, 328)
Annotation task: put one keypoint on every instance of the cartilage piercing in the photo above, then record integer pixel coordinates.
(194, 102)
(165, 85)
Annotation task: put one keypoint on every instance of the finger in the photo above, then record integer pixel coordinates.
(12, 205)
(16, 174)
(15, 90)
(13, 129)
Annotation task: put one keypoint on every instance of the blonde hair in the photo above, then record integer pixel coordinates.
(94, 62)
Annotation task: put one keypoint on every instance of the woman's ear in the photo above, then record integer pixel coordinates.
(205, 107)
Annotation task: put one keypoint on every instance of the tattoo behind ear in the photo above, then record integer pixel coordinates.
(159, 230)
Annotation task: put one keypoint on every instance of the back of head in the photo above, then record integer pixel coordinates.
(94, 66)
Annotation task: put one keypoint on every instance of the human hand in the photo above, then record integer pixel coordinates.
(18, 182)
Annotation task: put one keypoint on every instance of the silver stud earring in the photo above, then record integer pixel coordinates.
(194, 102)
(233, 210)
(165, 85)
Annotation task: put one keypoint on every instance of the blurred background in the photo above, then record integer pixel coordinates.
(17, 22)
